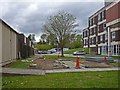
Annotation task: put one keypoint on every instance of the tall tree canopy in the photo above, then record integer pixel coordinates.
(32, 37)
(60, 27)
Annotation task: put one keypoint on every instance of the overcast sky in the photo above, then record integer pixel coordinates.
(28, 17)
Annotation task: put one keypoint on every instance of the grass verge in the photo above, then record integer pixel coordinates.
(70, 51)
(100, 79)
(55, 57)
(19, 64)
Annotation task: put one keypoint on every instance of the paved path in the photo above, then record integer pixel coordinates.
(43, 72)
(23, 71)
(80, 70)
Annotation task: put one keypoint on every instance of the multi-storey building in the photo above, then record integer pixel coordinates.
(103, 30)
(113, 25)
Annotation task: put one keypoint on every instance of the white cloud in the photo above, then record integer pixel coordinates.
(53, 0)
(28, 17)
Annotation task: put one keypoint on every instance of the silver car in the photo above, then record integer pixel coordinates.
(79, 53)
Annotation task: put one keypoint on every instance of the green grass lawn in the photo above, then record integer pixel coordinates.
(102, 79)
(55, 57)
(115, 64)
(116, 57)
(70, 51)
(19, 64)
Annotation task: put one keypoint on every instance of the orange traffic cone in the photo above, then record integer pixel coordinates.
(77, 62)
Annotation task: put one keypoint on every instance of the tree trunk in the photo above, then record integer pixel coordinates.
(62, 54)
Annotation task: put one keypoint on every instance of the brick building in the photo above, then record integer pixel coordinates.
(103, 33)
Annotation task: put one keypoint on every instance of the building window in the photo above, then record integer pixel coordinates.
(93, 21)
(86, 41)
(90, 22)
(86, 33)
(99, 17)
(98, 28)
(90, 31)
(96, 39)
(104, 50)
(115, 49)
(103, 15)
(106, 36)
(92, 40)
(104, 26)
(113, 35)
(101, 38)
(94, 30)
(118, 49)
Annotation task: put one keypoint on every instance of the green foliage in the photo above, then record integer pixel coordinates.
(32, 37)
(43, 46)
(87, 50)
(97, 79)
(72, 50)
(76, 44)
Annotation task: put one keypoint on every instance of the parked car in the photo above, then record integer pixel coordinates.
(52, 50)
(79, 53)
(42, 52)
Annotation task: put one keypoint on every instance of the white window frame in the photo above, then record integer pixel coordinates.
(113, 35)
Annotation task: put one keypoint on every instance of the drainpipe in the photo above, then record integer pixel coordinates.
(109, 42)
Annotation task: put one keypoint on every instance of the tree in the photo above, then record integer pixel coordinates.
(32, 37)
(43, 37)
(29, 36)
(76, 41)
(60, 27)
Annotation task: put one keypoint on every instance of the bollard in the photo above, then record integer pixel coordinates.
(77, 62)
(105, 60)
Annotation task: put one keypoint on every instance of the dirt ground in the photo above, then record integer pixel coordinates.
(47, 64)
(56, 64)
